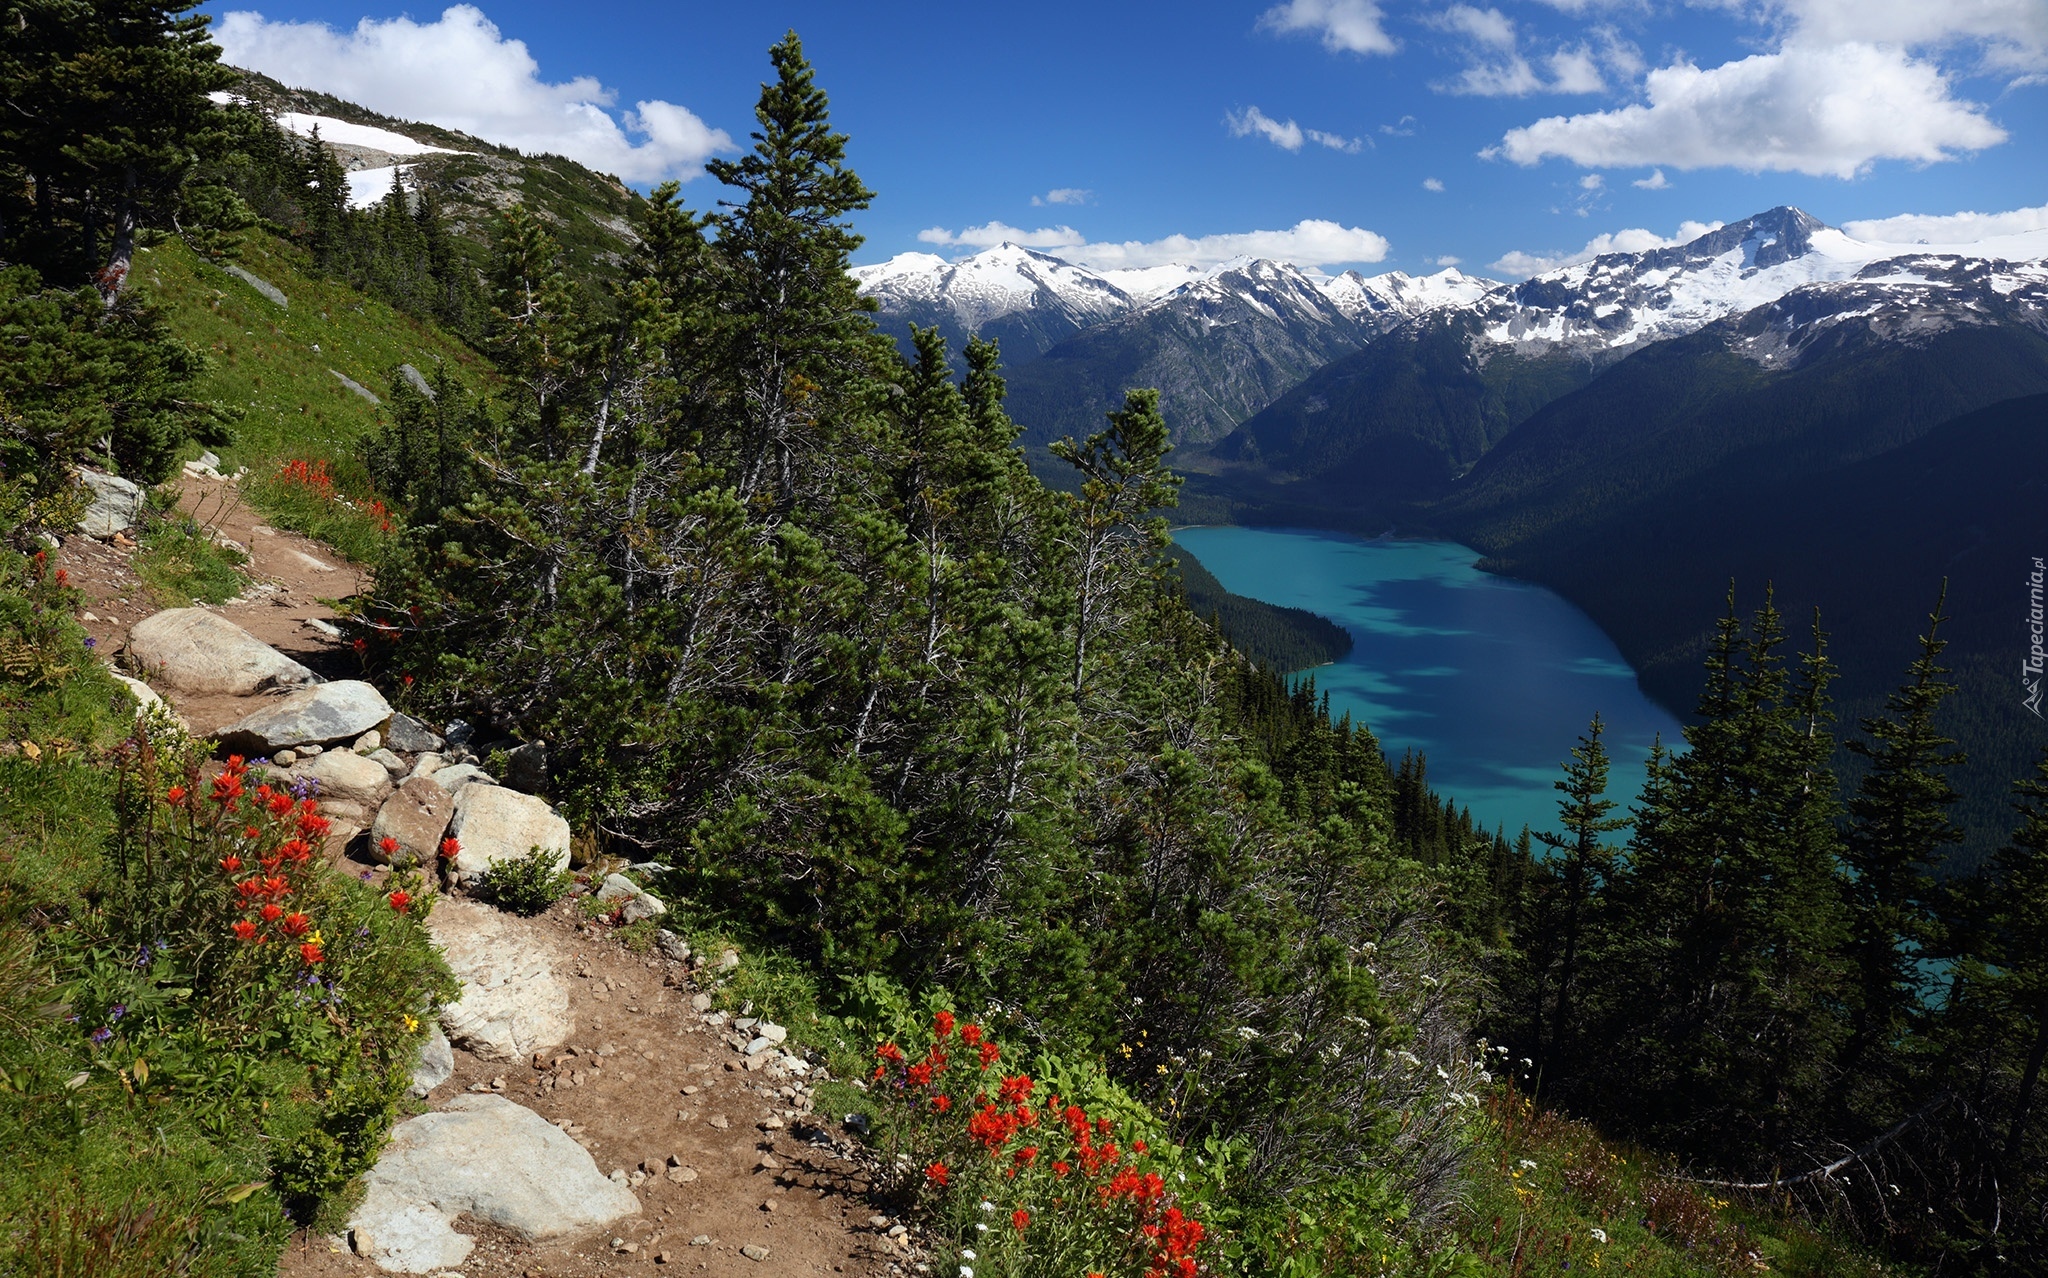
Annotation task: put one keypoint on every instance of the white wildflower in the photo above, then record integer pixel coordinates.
(966, 1271)
(1526, 1165)
(986, 1205)
(967, 1254)
(1600, 1236)
(1247, 1033)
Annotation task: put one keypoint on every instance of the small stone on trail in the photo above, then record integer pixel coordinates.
(700, 1003)
(701, 1240)
(754, 1251)
(681, 1175)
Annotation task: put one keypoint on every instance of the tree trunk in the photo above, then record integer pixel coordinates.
(2028, 1078)
(116, 273)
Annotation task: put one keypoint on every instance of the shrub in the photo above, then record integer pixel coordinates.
(1027, 1181)
(308, 496)
(525, 884)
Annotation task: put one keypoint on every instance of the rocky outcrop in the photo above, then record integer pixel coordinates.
(436, 1063)
(495, 824)
(488, 1158)
(512, 1003)
(116, 504)
(321, 715)
(347, 777)
(195, 651)
(415, 818)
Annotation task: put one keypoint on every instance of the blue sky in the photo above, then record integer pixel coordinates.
(1101, 130)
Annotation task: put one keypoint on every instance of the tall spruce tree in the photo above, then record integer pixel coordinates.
(1899, 828)
(1581, 863)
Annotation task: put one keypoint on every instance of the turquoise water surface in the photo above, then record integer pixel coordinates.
(1493, 679)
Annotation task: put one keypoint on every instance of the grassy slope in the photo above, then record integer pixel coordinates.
(265, 360)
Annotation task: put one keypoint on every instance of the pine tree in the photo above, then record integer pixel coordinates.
(1581, 863)
(1899, 827)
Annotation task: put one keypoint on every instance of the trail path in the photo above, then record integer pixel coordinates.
(731, 1172)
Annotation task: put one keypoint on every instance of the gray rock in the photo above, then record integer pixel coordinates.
(526, 768)
(635, 902)
(369, 743)
(116, 504)
(489, 1158)
(772, 1032)
(426, 765)
(643, 906)
(455, 776)
(265, 287)
(145, 696)
(512, 1003)
(285, 758)
(617, 887)
(347, 778)
(323, 715)
(409, 735)
(754, 1251)
(356, 386)
(419, 382)
(392, 763)
(196, 651)
(496, 824)
(673, 946)
(415, 818)
(436, 1064)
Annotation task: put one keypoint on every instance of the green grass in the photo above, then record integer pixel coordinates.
(179, 565)
(264, 359)
(1543, 1190)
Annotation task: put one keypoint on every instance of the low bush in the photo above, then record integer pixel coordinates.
(204, 1033)
(525, 884)
(1021, 1178)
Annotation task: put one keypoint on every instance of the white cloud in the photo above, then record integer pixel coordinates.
(1401, 128)
(1061, 195)
(1447, 260)
(1287, 135)
(1432, 184)
(1311, 242)
(1496, 66)
(1655, 182)
(1950, 228)
(990, 234)
(1634, 240)
(1825, 111)
(1592, 182)
(2013, 33)
(1345, 25)
(461, 72)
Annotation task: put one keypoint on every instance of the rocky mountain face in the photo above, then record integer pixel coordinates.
(1220, 343)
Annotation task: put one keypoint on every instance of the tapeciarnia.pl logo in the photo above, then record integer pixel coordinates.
(2037, 657)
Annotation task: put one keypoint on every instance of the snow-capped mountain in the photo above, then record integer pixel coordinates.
(1808, 274)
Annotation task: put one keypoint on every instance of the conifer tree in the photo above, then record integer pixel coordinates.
(1581, 863)
(1899, 828)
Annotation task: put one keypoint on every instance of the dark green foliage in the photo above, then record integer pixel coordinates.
(1281, 639)
(525, 884)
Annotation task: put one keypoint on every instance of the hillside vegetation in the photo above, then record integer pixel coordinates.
(808, 643)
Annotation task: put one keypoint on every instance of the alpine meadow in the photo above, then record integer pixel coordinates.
(552, 728)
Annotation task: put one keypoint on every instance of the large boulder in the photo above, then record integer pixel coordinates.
(323, 715)
(344, 777)
(489, 1158)
(195, 651)
(416, 817)
(116, 504)
(512, 1004)
(495, 824)
(410, 735)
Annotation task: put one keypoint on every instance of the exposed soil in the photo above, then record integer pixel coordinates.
(289, 577)
(766, 1173)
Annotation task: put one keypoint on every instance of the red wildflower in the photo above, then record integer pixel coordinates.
(1015, 1089)
(275, 886)
(1020, 1218)
(943, 1023)
(249, 888)
(400, 901)
(312, 953)
(175, 795)
(919, 1075)
(970, 1034)
(450, 848)
(936, 1175)
(889, 1052)
(1025, 1155)
(231, 863)
(989, 1052)
(280, 804)
(272, 911)
(251, 832)
(295, 923)
(1139, 1145)
(244, 930)
(942, 1103)
(63, 577)
(1061, 1168)
(388, 846)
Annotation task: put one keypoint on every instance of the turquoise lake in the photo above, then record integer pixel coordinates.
(1493, 679)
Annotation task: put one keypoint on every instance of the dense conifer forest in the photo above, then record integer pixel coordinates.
(799, 626)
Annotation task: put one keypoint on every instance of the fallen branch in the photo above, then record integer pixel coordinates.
(1828, 1171)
